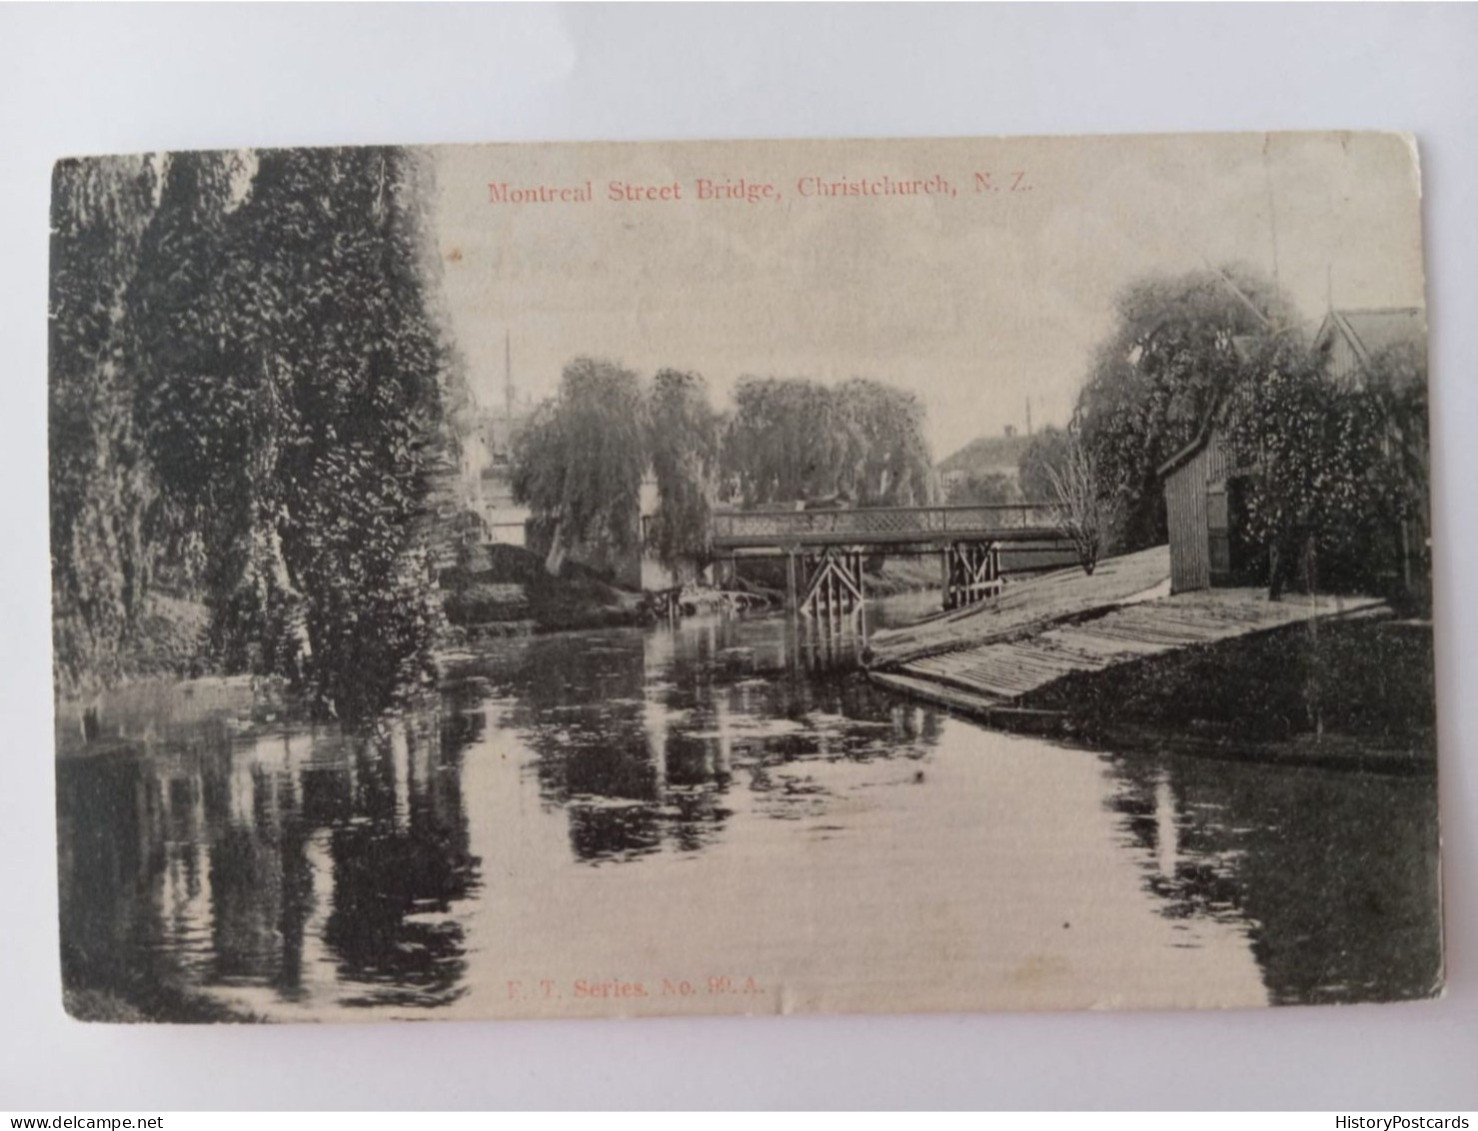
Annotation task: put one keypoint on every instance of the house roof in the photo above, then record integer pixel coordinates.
(987, 453)
(1370, 332)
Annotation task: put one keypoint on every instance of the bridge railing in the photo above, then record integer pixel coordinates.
(790, 525)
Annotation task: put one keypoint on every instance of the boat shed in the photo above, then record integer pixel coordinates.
(1199, 511)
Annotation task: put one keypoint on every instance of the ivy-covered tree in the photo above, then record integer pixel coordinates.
(247, 376)
(1330, 481)
(102, 488)
(348, 363)
(204, 409)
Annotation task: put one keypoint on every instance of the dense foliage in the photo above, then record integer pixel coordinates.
(795, 439)
(101, 489)
(1047, 452)
(1336, 473)
(990, 488)
(247, 378)
(685, 434)
(1331, 477)
(1153, 382)
(579, 463)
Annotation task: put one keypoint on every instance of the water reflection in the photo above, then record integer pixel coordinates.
(731, 790)
(1334, 875)
(638, 737)
(219, 862)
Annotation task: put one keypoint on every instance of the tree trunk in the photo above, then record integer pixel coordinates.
(554, 561)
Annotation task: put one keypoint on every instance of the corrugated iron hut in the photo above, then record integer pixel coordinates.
(1199, 508)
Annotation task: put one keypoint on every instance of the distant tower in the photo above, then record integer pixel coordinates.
(508, 372)
(1028, 416)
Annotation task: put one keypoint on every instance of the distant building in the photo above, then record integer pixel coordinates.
(986, 456)
(1350, 341)
(507, 520)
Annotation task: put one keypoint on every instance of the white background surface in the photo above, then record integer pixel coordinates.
(95, 80)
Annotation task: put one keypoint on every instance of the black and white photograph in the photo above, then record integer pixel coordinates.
(752, 577)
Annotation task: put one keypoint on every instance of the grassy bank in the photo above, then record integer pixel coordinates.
(1357, 693)
(507, 589)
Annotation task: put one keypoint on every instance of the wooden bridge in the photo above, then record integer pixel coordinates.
(824, 550)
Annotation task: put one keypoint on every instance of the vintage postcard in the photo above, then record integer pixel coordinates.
(742, 577)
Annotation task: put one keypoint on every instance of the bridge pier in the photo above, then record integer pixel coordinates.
(823, 549)
(833, 587)
(971, 572)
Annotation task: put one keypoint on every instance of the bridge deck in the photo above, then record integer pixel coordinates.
(884, 526)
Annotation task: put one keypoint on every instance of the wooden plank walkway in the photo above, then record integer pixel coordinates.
(1030, 605)
(1001, 671)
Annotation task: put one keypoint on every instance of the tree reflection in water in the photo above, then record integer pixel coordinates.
(639, 738)
(308, 868)
(191, 862)
(1333, 873)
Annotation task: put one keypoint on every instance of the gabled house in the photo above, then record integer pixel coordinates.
(1351, 341)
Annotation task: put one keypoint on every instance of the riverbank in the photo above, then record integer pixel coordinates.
(1309, 680)
(505, 590)
(1355, 693)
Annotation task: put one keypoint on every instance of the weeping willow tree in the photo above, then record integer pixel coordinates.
(1174, 350)
(684, 443)
(881, 457)
(579, 462)
(792, 439)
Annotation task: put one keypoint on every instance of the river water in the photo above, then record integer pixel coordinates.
(722, 816)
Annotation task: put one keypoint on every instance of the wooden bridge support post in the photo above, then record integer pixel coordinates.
(834, 586)
(972, 573)
(792, 596)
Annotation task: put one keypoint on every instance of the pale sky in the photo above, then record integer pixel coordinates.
(975, 300)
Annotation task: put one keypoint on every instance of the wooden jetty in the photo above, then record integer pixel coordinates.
(1028, 605)
(986, 660)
